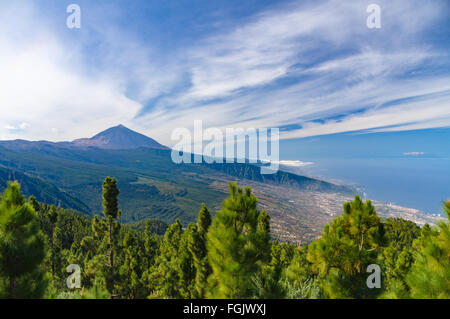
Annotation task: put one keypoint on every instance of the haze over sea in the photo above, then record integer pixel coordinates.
(410, 169)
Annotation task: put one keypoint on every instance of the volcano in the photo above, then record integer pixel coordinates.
(118, 137)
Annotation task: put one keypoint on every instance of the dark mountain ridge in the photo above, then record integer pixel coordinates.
(42, 190)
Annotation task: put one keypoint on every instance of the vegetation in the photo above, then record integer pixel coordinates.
(228, 256)
(150, 184)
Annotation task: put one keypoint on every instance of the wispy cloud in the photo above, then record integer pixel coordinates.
(317, 66)
(44, 84)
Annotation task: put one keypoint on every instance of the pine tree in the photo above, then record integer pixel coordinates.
(299, 270)
(398, 256)
(269, 282)
(167, 264)
(238, 243)
(52, 215)
(34, 203)
(56, 254)
(150, 246)
(131, 285)
(298, 279)
(203, 220)
(430, 274)
(186, 267)
(93, 253)
(149, 260)
(97, 291)
(22, 246)
(197, 247)
(400, 233)
(111, 213)
(397, 266)
(348, 245)
(53, 218)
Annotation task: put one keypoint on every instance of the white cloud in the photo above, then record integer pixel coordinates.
(295, 163)
(413, 153)
(376, 70)
(45, 88)
(383, 119)
(21, 126)
(336, 64)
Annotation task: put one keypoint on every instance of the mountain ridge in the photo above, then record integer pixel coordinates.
(153, 186)
(116, 137)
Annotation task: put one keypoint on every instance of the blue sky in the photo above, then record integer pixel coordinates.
(312, 68)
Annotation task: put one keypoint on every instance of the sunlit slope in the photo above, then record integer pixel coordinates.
(151, 184)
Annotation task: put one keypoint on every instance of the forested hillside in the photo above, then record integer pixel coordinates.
(42, 190)
(151, 184)
(230, 255)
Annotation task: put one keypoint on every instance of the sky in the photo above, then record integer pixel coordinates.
(335, 88)
(311, 68)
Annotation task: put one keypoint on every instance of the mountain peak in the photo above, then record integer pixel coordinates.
(118, 137)
(119, 129)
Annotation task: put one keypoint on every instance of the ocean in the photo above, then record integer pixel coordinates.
(416, 182)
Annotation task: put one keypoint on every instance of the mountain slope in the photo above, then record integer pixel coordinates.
(153, 186)
(42, 190)
(118, 137)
